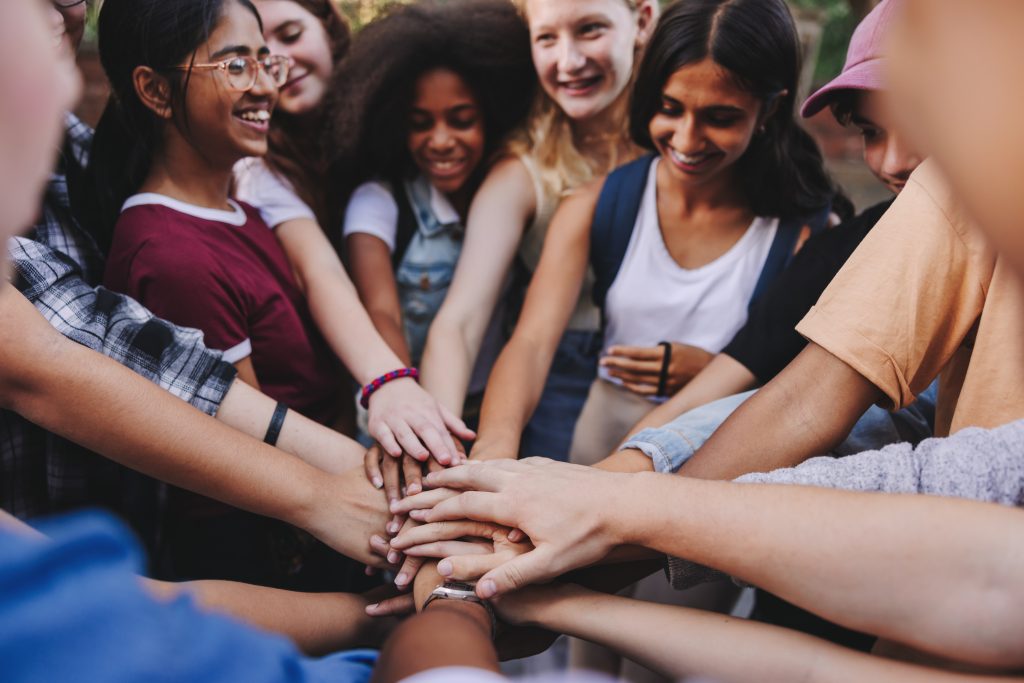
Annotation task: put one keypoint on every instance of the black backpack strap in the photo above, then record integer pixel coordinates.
(614, 219)
(783, 246)
(407, 224)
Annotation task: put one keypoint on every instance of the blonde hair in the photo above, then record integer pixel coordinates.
(548, 138)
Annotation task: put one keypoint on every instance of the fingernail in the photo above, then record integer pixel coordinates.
(488, 589)
(370, 609)
(401, 579)
(414, 489)
(444, 568)
(378, 483)
(393, 506)
(393, 557)
(392, 527)
(418, 515)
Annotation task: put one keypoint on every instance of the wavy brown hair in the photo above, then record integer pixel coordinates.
(296, 151)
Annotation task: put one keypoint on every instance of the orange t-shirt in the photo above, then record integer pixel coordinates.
(924, 294)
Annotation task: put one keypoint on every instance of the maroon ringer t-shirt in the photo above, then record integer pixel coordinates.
(225, 273)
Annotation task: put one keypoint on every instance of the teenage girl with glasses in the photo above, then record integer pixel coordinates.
(194, 85)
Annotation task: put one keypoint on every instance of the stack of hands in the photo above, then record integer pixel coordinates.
(504, 524)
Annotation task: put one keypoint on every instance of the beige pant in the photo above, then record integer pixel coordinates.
(607, 416)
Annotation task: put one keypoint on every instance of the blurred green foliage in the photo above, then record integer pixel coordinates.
(838, 19)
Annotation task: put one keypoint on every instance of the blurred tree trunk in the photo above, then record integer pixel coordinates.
(860, 8)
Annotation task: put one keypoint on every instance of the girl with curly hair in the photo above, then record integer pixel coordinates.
(430, 91)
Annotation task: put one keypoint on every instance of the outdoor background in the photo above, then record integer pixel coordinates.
(825, 27)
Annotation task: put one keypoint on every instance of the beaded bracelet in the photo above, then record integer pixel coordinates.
(369, 389)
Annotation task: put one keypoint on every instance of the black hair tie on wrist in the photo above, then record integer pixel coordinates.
(666, 361)
(276, 421)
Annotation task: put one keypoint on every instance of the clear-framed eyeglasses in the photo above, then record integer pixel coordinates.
(241, 72)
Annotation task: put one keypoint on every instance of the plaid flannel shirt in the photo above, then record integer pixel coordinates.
(58, 266)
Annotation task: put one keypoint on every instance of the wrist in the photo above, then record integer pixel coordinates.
(495, 448)
(472, 611)
(632, 492)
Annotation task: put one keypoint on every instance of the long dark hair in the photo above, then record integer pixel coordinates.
(296, 149)
(486, 42)
(782, 172)
(134, 33)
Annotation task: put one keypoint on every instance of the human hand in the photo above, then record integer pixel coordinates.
(343, 511)
(553, 503)
(639, 367)
(467, 549)
(404, 417)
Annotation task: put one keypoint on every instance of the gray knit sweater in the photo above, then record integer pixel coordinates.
(978, 464)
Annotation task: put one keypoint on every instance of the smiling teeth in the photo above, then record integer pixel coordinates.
(688, 160)
(445, 165)
(258, 116)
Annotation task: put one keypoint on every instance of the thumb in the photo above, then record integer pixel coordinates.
(533, 567)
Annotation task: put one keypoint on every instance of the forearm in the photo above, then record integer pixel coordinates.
(318, 623)
(805, 411)
(722, 377)
(447, 364)
(389, 327)
(682, 642)
(347, 327)
(93, 401)
(841, 555)
(249, 411)
(447, 633)
(513, 390)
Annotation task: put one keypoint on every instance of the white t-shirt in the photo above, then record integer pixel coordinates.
(465, 674)
(374, 211)
(654, 299)
(268, 193)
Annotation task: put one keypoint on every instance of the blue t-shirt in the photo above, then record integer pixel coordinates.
(73, 609)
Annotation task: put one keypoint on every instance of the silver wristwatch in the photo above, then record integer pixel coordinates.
(459, 590)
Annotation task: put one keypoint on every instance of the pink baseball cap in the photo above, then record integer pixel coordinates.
(864, 59)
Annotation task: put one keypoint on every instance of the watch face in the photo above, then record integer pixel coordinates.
(460, 586)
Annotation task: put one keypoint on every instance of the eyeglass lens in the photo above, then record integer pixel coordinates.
(242, 71)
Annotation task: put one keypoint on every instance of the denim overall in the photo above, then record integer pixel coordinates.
(427, 266)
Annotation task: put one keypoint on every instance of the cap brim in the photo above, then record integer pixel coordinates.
(867, 75)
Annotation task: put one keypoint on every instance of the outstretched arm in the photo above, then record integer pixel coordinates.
(839, 554)
(500, 211)
(783, 424)
(517, 380)
(95, 402)
(402, 415)
(680, 642)
(318, 623)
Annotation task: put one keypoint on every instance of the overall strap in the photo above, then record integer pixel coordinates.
(783, 246)
(614, 219)
(407, 224)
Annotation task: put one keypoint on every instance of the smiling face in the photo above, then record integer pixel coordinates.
(705, 122)
(39, 82)
(224, 124)
(887, 152)
(583, 51)
(446, 130)
(291, 30)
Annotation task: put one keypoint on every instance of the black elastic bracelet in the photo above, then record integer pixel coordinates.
(276, 420)
(666, 360)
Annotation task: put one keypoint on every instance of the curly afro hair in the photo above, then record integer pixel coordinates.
(486, 42)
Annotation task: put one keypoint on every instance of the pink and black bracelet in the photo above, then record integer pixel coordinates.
(369, 389)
